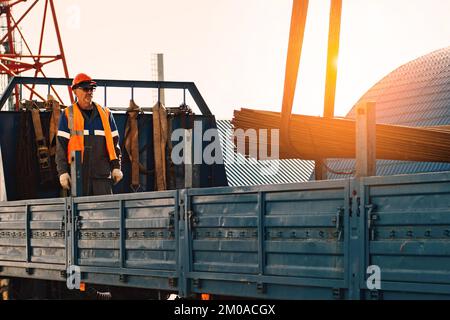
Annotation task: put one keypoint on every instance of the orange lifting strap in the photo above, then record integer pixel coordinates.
(296, 34)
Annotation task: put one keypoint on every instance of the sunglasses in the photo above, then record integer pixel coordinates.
(88, 89)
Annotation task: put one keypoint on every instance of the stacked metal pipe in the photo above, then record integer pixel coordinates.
(316, 137)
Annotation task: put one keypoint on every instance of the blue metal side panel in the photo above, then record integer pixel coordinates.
(284, 241)
(33, 238)
(408, 235)
(131, 238)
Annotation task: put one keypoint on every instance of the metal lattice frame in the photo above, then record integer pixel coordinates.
(13, 63)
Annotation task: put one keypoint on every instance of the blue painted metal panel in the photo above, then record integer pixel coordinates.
(132, 235)
(408, 232)
(269, 236)
(33, 235)
(311, 240)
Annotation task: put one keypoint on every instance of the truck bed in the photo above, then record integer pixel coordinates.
(312, 240)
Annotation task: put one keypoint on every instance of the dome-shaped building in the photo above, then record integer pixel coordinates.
(416, 94)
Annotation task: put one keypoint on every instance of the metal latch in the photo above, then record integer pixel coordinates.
(192, 218)
(171, 220)
(261, 287)
(62, 224)
(123, 278)
(78, 223)
(338, 221)
(371, 218)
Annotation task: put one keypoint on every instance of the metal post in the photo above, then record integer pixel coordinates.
(75, 174)
(320, 171)
(188, 160)
(160, 58)
(365, 140)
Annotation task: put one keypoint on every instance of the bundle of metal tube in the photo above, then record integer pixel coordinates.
(316, 137)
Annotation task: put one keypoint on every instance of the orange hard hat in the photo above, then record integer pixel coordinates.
(82, 80)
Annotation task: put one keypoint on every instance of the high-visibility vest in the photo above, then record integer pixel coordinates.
(75, 121)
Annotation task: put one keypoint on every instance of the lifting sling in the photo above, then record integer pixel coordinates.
(41, 145)
(160, 135)
(131, 141)
(53, 106)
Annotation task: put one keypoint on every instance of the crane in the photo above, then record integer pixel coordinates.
(13, 62)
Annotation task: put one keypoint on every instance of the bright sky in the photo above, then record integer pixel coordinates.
(235, 50)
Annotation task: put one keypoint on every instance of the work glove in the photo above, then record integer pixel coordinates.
(117, 175)
(65, 181)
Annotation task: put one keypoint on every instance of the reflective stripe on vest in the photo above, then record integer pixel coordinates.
(76, 128)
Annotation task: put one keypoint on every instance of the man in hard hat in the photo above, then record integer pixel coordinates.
(90, 128)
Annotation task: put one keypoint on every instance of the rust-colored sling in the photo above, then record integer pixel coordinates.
(296, 34)
(131, 142)
(41, 143)
(54, 107)
(160, 134)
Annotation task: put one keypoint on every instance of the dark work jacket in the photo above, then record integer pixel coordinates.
(96, 163)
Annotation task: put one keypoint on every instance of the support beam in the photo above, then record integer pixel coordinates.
(334, 30)
(188, 159)
(76, 174)
(365, 140)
